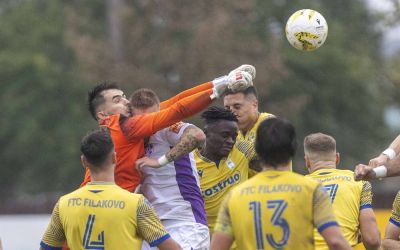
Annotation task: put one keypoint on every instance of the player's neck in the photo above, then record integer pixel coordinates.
(323, 165)
(210, 155)
(247, 127)
(103, 176)
(283, 167)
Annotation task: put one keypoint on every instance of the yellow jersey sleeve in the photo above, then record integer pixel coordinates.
(366, 195)
(322, 210)
(149, 225)
(395, 216)
(247, 148)
(54, 236)
(223, 223)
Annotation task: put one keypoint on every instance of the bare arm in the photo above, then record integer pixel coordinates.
(391, 240)
(383, 158)
(169, 244)
(392, 233)
(334, 238)
(221, 241)
(371, 237)
(364, 172)
(191, 138)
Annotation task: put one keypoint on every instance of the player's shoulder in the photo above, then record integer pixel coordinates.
(397, 198)
(265, 115)
(177, 127)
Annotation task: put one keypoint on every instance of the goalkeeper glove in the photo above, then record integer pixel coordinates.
(236, 81)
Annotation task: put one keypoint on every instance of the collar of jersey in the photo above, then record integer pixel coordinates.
(101, 183)
(323, 171)
(203, 158)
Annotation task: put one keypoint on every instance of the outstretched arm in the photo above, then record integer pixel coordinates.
(364, 172)
(186, 93)
(192, 138)
(141, 126)
(388, 154)
(219, 84)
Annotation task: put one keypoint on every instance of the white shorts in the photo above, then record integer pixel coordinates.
(190, 236)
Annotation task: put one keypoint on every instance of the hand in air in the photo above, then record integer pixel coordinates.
(364, 172)
(378, 161)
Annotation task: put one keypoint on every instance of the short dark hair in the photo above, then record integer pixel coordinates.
(96, 98)
(250, 91)
(144, 98)
(276, 141)
(96, 146)
(215, 113)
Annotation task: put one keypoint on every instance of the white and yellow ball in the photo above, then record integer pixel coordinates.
(306, 30)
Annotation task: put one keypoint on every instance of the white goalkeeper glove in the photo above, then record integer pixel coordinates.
(247, 68)
(237, 80)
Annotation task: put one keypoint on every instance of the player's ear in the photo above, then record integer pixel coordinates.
(337, 159)
(308, 164)
(255, 103)
(84, 162)
(101, 115)
(114, 158)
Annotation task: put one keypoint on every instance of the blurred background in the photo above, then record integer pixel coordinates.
(53, 52)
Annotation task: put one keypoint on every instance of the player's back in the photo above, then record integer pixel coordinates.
(100, 217)
(345, 194)
(273, 210)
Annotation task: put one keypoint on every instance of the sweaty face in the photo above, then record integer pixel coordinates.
(115, 103)
(245, 109)
(221, 137)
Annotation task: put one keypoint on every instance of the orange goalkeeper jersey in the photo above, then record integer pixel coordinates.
(128, 133)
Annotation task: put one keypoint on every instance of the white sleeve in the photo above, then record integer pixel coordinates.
(174, 133)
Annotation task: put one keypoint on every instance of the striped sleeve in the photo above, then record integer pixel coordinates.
(366, 195)
(223, 223)
(395, 216)
(322, 210)
(247, 148)
(54, 236)
(149, 225)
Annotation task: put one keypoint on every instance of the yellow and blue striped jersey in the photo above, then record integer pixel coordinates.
(348, 197)
(217, 178)
(252, 133)
(275, 210)
(395, 216)
(103, 216)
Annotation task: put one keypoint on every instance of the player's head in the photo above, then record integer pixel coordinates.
(97, 150)
(107, 99)
(244, 105)
(221, 130)
(144, 101)
(320, 151)
(276, 142)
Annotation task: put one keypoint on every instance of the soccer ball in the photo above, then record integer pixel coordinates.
(306, 30)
